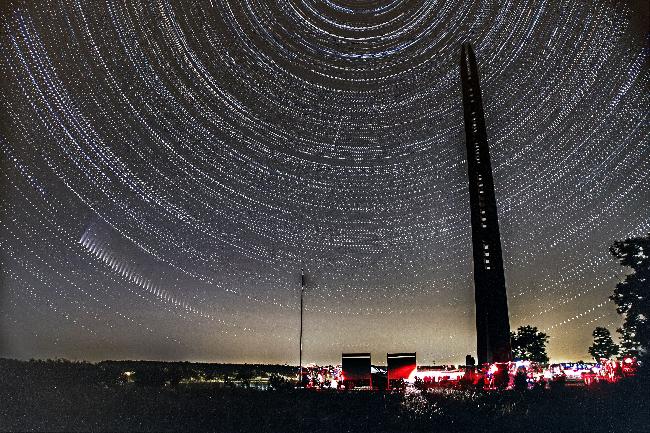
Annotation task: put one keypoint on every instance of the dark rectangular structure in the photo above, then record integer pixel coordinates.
(400, 366)
(492, 322)
(356, 368)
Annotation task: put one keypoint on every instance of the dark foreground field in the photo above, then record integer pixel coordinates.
(63, 402)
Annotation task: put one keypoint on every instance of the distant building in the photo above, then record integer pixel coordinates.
(492, 322)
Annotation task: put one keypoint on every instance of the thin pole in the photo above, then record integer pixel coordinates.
(302, 291)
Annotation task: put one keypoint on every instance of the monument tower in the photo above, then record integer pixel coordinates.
(492, 322)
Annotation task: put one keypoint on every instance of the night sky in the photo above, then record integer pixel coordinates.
(169, 166)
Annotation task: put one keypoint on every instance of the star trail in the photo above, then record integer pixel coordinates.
(169, 166)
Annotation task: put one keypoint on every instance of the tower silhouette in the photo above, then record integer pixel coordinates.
(492, 322)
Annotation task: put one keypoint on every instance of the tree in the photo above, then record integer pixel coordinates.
(603, 346)
(632, 295)
(521, 382)
(529, 344)
(629, 345)
(244, 377)
(150, 375)
(279, 383)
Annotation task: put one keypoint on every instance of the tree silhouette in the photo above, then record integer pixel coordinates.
(149, 375)
(632, 294)
(520, 382)
(277, 382)
(529, 344)
(244, 377)
(603, 346)
(629, 345)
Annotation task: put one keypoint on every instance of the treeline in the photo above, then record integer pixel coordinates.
(154, 373)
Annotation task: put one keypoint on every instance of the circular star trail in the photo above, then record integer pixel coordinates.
(169, 167)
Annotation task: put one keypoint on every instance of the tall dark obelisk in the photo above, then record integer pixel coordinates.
(492, 322)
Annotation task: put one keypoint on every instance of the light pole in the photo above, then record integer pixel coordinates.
(302, 292)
